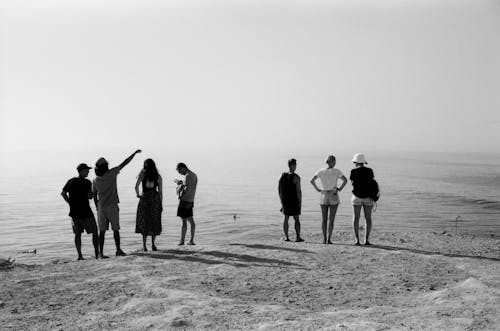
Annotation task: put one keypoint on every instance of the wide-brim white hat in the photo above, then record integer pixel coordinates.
(359, 158)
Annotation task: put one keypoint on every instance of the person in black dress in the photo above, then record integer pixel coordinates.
(361, 178)
(148, 221)
(291, 198)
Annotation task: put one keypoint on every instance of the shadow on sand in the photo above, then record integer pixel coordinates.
(418, 251)
(236, 260)
(258, 246)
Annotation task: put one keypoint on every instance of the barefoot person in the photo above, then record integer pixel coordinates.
(361, 178)
(76, 193)
(106, 201)
(148, 221)
(291, 198)
(329, 200)
(186, 193)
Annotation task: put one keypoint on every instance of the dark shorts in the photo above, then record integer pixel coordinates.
(84, 223)
(185, 209)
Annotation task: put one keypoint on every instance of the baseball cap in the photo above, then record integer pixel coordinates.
(82, 166)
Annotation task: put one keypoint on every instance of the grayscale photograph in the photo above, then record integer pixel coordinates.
(250, 165)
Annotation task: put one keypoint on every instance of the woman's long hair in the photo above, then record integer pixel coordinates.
(150, 171)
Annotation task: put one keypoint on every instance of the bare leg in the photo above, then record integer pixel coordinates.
(193, 227)
(144, 238)
(324, 217)
(78, 244)
(368, 217)
(355, 222)
(333, 212)
(285, 227)
(153, 246)
(95, 242)
(183, 231)
(297, 228)
(102, 236)
(116, 236)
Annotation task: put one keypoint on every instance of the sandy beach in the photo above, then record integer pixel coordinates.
(406, 281)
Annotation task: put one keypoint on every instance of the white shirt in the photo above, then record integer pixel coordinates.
(329, 178)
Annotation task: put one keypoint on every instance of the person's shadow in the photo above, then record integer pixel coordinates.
(419, 251)
(216, 257)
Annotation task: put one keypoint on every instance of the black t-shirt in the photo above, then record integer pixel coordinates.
(361, 178)
(79, 189)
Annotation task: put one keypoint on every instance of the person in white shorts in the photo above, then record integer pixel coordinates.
(329, 200)
(106, 201)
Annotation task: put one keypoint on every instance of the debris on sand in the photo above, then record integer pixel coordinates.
(6, 264)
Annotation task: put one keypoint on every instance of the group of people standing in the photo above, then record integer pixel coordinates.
(364, 194)
(149, 189)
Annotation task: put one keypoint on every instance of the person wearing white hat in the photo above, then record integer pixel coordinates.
(361, 178)
(329, 194)
(106, 201)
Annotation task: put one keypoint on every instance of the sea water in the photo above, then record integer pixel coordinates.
(237, 197)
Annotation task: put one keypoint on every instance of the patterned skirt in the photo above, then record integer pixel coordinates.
(149, 210)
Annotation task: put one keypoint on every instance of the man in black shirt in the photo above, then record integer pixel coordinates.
(76, 193)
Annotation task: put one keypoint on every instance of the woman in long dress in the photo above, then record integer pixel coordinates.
(148, 221)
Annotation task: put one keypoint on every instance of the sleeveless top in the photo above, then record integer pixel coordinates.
(148, 185)
(288, 186)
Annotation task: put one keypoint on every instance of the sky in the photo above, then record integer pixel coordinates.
(411, 75)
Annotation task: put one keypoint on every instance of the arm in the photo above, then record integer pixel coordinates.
(94, 191)
(344, 182)
(138, 184)
(160, 188)
(313, 182)
(65, 196)
(280, 190)
(128, 159)
(299, 192)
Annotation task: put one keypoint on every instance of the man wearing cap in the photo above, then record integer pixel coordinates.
(76, 193)
(106, 201)
(329, 194)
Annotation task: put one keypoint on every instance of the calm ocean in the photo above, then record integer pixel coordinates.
(420, 192)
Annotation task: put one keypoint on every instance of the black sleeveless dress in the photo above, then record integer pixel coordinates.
(288, 187)
(148, 220)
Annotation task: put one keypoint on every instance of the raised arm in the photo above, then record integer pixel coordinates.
(313, 182)
(128, 159)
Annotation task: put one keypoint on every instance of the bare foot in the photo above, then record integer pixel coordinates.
(329, 242)
(357, 243)
(191, 243)
(80, 258)
(181, 243)
(299, 240)
(154, 248)
(102, 256)
(287, 239)
(367, 243)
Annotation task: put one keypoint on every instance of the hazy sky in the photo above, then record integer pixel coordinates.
(394, 75)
